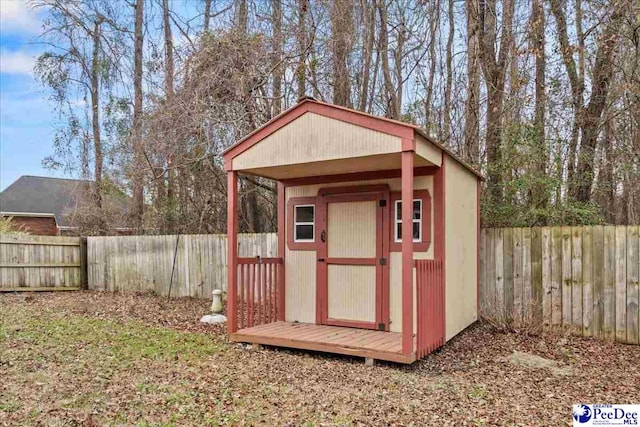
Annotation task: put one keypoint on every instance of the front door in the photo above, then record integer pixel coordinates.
(351, 260)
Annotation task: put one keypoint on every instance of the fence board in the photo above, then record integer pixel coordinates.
(583, 278)
(621, 284)
(576, 278)
(546, 277)
(587, 281)
(36, 263)
(145, 263)
(566, 276)
(556, 275)
(633, 286)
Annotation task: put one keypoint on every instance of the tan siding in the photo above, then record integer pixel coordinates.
(300, 286)
(351, 230)
(428, 151)
(461, 247)
(312, 138)
(352, 292)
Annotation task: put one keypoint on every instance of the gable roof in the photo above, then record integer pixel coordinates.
(310, 104)
(45, 196)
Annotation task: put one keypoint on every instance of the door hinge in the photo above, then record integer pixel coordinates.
(383, 203)
(381, 326)
(383, 261)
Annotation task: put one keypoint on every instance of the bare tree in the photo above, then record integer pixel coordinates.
(138, 142)
(342, 30)
(472, 106)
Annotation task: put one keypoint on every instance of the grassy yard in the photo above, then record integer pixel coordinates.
(89, 359)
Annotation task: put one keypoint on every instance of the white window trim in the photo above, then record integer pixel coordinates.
(296, 223)
(396, 221)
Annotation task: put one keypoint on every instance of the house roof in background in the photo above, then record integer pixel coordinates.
(45, 195)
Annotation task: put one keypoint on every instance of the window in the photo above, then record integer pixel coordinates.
(303, 223)
(416, 220)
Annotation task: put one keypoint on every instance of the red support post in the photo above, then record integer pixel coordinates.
(280, 300)
(232, 250)
(407, 252)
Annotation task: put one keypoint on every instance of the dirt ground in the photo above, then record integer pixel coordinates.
(87, 358)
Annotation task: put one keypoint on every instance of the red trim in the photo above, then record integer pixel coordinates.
(291, 243)
(280, 271)
(409, 144)
(353, 190)
(351, 261)
(350, 323)
(232, 250)
(407, 252)
(258, 260)
(439, 248)
(357, 176)
(423, 245)
(345, 195)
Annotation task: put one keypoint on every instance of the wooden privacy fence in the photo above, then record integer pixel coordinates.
(41, 263)
(583, 278)
(144, 263)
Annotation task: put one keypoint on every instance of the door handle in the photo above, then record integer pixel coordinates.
(320, 259)
(323, 236)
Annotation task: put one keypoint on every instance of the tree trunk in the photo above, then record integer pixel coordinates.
(472, 105)
(169, 92)
(138, 178)
(391, 102)
(369, 23)
(277, 56)
(301, 72)
(602, 74)
(494, 72)
(207, 14)
(539, 195)
(341, 29)
(95, 123)
(575, 80)
(435, 23)
(446, 128)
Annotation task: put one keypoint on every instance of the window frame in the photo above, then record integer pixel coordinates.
(425, 221)
(296, 223)
(396, 221)
(290, 218)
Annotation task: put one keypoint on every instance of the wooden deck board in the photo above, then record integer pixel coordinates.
(331, 339)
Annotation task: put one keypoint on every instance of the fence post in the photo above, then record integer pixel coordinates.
(84, 280)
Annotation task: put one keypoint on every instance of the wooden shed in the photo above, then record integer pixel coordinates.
(378, 232)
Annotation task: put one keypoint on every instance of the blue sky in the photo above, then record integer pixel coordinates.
(26, 117)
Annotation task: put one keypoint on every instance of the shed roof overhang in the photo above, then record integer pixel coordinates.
(313, 138)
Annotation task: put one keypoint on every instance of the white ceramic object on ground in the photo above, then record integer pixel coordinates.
(213, 318)
(216, 305)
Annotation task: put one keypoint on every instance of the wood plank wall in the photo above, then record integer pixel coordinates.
(144, 263)
(582, 278)
(40, 263)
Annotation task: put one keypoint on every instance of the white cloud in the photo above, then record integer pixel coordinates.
(17, 16)
(16, 62)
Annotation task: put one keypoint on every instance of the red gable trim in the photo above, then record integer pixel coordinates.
(391, 127)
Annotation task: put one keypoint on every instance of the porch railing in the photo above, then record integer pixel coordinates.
(430, 306)
(259, 292)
